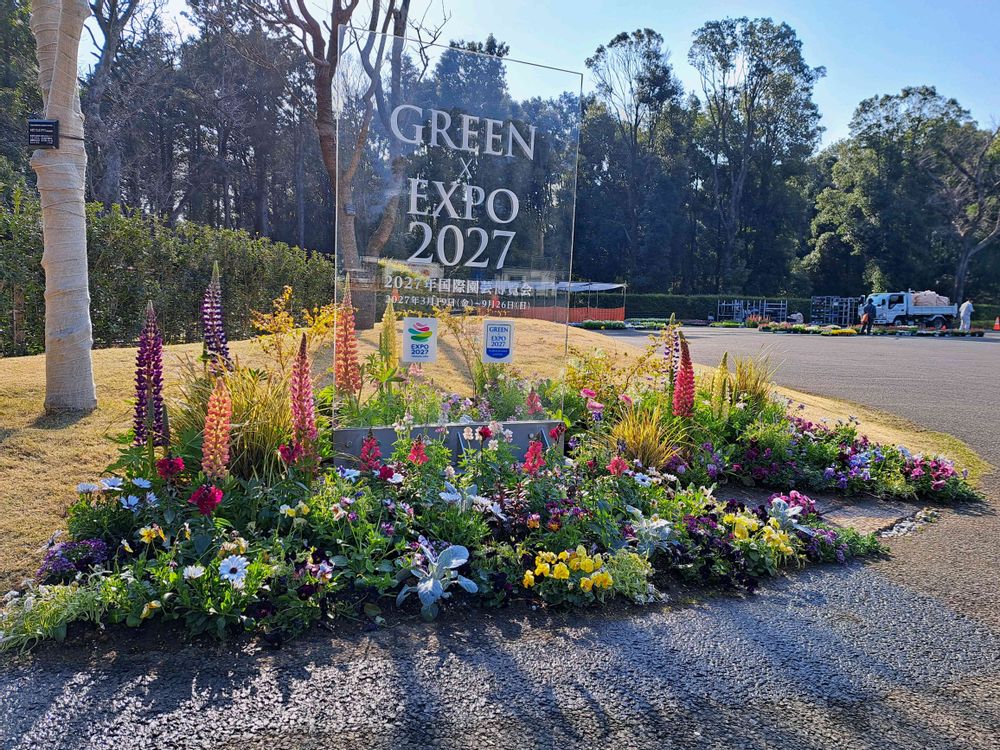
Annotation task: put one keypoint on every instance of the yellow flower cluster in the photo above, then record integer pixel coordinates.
(559, 566)
(292, 511)
(745, 527)
(237, 546)
(742, 526)
(777, 539)
(149, 534)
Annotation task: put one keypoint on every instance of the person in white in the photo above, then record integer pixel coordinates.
(965, 313)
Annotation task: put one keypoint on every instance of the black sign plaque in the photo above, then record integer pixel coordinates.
(43, 133)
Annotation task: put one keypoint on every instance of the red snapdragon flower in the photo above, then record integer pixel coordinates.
(169, 467)
(534, 459)
(207, 498)
(618, 466)
(418, 455)
(370, 453)
(385, 472)
(291, 453)
(485, 433)
(557, 432)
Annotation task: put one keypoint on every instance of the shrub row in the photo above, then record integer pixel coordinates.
(135, 258)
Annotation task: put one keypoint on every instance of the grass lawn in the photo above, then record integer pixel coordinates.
(43, 457)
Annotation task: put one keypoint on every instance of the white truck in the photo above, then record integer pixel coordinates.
(910, 308)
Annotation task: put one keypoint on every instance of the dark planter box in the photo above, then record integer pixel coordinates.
(347, 440)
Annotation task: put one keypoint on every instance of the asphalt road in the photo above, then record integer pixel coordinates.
(900, 653)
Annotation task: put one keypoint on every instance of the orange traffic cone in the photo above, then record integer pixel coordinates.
(996, 326)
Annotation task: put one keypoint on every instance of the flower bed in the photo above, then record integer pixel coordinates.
(231, 510)
(600, 325)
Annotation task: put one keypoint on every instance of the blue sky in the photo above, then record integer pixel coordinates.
(868, 47)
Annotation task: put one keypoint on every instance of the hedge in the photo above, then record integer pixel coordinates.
(134, 259)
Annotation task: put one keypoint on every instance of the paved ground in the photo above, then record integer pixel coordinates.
(902, 653)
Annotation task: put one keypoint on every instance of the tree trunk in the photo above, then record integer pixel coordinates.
(69, 378)
(300, 189)
(20, 325)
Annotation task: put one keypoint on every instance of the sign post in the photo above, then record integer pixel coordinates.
(43, 133)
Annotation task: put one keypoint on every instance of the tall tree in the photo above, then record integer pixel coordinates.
(69, 378)
(758, 112)
(113, 18)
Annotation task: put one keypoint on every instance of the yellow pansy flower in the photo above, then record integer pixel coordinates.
(586, 584)
(560, 571)
(149, 609)
(564, 555)
(598, 561)
(587, 565)
(581, 551)
(542, 569)
(574, 563)
(148, 534)
(529, 579)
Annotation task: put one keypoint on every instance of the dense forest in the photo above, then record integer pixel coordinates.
(722, 189)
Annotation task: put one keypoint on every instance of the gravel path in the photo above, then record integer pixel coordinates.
(901, 653)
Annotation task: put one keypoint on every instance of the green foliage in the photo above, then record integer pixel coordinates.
(133, 259)
(46, 612)
(261, 418)
(99, 516)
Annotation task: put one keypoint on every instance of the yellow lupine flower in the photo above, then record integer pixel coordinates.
(529, 579)
(560, 571)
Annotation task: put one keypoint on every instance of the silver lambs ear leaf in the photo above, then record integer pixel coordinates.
(454, 557)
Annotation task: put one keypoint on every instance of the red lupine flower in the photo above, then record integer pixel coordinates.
(346, 370)
(207, 498)
(684, 383)
(169, 467)
(618, 466)
(418, 455)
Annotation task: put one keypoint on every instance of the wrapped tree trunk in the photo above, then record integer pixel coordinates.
(69, 378)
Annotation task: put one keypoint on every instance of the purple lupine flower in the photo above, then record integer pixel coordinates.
(213, 332)
(149, 383)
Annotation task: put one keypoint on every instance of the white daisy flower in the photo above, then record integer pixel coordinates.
(111, 483)
(396, 478)
(234, 570)
(142, 484)
(193, 571)
(86, 488)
